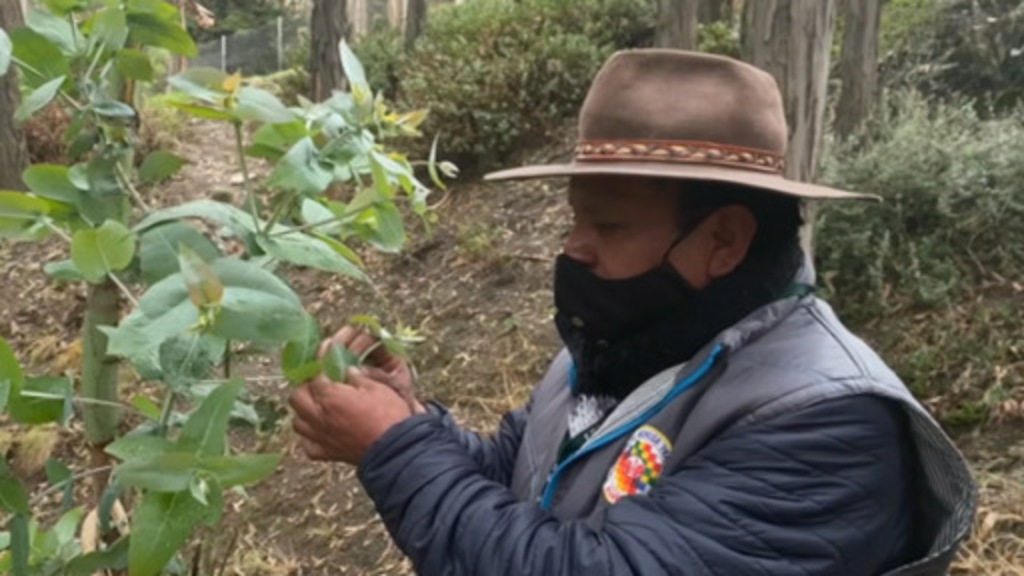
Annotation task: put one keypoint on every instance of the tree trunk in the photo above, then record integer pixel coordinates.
(329, 27)
(415, 21)
(792, 40)
(13, 153)
(858, 66)
(677, 24)
(715, 11)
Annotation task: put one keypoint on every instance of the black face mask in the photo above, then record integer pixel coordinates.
(606, 311)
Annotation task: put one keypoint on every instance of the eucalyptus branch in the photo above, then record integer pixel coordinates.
(165, 412)
(250, 199)
(124, 289)
(57, 231)
(132, 191)
(279, 211)
(38, 498)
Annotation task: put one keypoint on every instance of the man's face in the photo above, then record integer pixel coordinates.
(623, 226)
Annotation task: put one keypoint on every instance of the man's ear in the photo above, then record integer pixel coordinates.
(732, 230)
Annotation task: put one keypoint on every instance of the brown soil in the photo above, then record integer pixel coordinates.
(478, 289)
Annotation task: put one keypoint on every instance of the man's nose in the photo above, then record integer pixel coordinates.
(579, 248)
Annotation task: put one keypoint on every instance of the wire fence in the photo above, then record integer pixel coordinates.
(261, 50)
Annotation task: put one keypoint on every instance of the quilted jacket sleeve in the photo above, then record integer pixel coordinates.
(822, 491)
(494, 455)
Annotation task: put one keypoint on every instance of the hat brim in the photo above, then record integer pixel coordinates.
(759, 180)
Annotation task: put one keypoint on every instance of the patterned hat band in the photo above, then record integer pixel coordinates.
(680, 152)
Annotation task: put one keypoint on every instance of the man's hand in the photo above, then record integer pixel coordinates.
(339, 422)
(382, 365)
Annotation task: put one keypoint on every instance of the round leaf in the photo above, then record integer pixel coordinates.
(160, 166)
(99, 251)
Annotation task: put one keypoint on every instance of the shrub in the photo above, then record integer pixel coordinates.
(381, 50)
(932, 273)
(495, 73)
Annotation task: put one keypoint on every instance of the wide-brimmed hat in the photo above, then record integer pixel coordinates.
(683, 115)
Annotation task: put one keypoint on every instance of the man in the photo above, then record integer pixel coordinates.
(708, 415)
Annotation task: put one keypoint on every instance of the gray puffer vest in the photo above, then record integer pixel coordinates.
(784, 357)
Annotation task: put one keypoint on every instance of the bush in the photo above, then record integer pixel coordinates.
(495, 73)
(933, 273)
(381, 52)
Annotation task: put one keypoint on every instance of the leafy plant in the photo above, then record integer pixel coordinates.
(189, 301)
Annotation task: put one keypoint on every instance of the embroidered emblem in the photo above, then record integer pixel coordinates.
(639, 466)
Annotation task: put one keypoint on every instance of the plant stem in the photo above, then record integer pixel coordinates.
(124, 289)
(57, 231)
(279, 211)
(38, 498)
(165, 412)
(227, 360)
(127, 183)
(250, 199)
(99, 371)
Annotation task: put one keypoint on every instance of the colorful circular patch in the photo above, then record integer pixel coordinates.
(639, 466)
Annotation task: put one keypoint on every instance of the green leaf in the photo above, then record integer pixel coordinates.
(202, 83)
(5, 393)
(54, 407)
(136, 446)
(298, 359)
(337, 361)
(262, 106)
(100, 251)
(301, 170)
(314, 212)
(160, 166)
(20, 211)
(38, 99)
(190, 357)
(134, 64)
(63, 532)
(42, 60)
(352, 67)
(204, 112)
(164, 311)
(114, 558)
(52, 181)
(59, 476)
(162, 524)
(160, 472)
(257, 305)
(10, 371)
(389, 235)
(158, 249)
(13, 496)
(198, 487)
(147, 407)
(152, 30)
(241, 470)
(113, 109)
(237, 220)
(62, 7)
(271, 141)
(21, 544)
(55, 29)
(6, 49)
(305, 250)
(63, 270)
(206, 429)
(345, 252)
(110, 28)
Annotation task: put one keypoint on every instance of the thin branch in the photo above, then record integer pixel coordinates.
(165, 412)
(57, 230)
(124, 289)
(127, 183)
(39, 497)
(250, 199)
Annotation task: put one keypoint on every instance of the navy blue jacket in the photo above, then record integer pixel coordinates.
(819, 491)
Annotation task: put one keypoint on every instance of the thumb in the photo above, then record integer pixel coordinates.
(360, 378)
